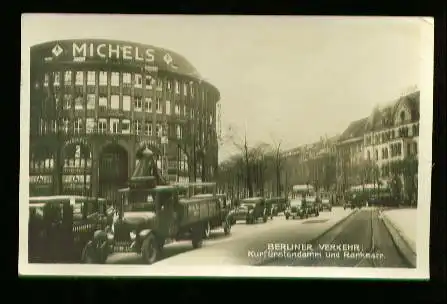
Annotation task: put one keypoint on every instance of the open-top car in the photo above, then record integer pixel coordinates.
(64, 229)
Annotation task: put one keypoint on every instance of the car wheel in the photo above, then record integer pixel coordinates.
(287, 217)
(150, 249)
(227, 227)
(197, 238)
(207, 231)
(88, 254)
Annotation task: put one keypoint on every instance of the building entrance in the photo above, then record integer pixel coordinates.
(113, 171)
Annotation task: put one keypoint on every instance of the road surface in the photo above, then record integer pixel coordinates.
(361, 241)
(342, 238)
(234, 250)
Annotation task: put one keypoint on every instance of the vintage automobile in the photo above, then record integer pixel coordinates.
(64, 229)
(240, 212)
(256, 209)
(295, 209)
(326, 202)
(151, 215)
(222, 217)
(309, 200)
(278, 204)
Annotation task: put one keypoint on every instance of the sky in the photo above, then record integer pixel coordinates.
(285, 79)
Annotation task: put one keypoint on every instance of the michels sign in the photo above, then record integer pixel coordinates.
(83, 50)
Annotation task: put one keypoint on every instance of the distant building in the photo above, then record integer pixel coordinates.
(95, 104)
(349, 155)
(392, 134)
(313, 164)
(368, 148)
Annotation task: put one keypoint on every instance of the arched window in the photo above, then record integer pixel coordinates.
(402, 116)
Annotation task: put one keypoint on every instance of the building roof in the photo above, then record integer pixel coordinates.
(355, 129)
(101, 50)
(383, 117)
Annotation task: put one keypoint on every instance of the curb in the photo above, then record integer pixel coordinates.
(400, 241)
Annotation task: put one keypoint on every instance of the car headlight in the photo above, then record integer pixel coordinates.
(133, 235)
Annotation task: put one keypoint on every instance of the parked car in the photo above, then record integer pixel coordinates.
(64, 229)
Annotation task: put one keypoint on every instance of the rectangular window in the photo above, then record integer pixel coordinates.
(168, 85)
(127, 78)
(115, 102)
(138, 125)
(158, 105)
(91, 100)
(179, 131)
(79, 78)
(79, 103)
(90, 125)
(177, 108)
(67, 101)
(177, 87)
(125, 126)
(103, 102)
(126, 103)
(114, 122)
(102, 125)
(78, 126)
(68, 77)
(91, 78)
(57, 79)
(149, 81)
(158, 130)
(138, 81)
(148, 104)
(138, 103)
(115, 79)
(148, 129)
(46, 79)
(65, 124)
(159, 84)
(103, 78)
(185, 89)
(168, 107)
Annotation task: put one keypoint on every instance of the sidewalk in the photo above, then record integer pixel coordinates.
(402, 225)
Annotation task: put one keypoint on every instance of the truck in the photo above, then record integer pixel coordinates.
(152, 213)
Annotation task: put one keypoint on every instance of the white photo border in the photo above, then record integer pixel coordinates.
(30, 27)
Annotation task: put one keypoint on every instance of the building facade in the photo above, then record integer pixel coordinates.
(313, 164)
(95, 104)
(349, 155)
(372, 149)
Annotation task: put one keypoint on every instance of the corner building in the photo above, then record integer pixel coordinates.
(95, 104)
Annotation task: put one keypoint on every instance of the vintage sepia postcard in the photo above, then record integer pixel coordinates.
(260, 146)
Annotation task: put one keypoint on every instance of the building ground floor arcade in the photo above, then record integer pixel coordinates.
(100, 166)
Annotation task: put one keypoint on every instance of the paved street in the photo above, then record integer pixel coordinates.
(365, 242)
(233, 250)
